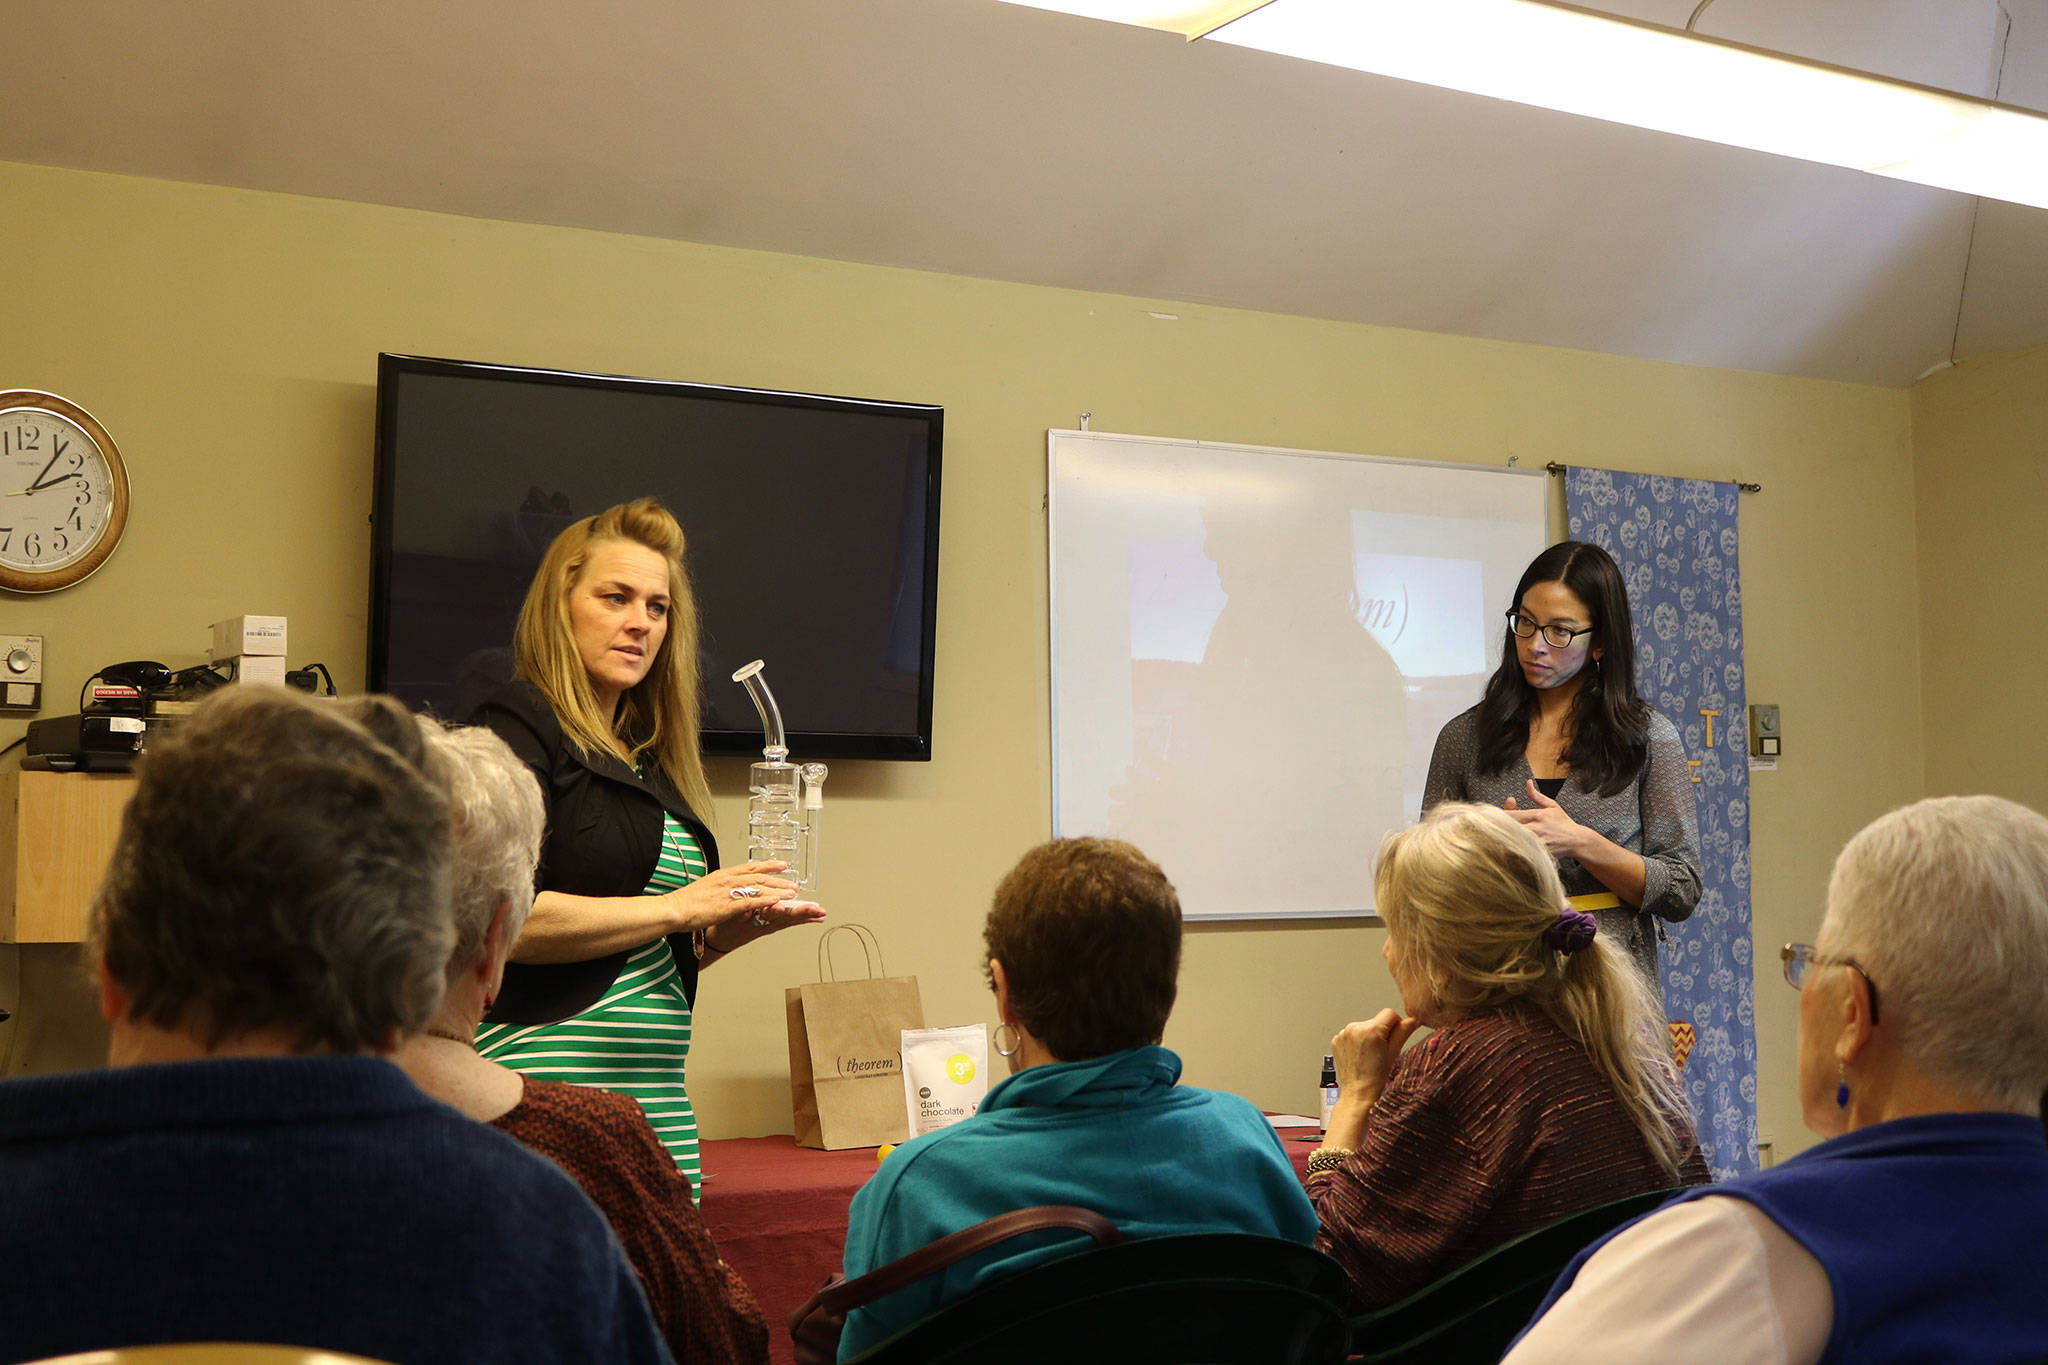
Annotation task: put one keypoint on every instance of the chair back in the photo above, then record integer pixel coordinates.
(1222, 1298)
(1471, 1314)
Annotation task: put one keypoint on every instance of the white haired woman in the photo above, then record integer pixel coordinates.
(1547, 1087)
(1914, 1231)
(603, 1140)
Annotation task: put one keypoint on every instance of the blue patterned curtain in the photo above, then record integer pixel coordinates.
(1675, 541)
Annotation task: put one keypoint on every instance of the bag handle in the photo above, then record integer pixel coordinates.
(862, 935)
(957, 1246)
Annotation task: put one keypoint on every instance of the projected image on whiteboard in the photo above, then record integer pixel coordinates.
(1253, 651)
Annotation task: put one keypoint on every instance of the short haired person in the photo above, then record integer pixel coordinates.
(1547, 1087)
(251, 1166)
(1915, 1230)
(705, 1310)
(1562, 741)
(1083, 946)
(603, 708)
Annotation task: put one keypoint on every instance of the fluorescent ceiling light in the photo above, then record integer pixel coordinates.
(1189, 18)
(1583, 62)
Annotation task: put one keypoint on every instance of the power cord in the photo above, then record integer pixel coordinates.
(144, 675)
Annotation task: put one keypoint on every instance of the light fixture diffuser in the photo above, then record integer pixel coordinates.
(1580, 61)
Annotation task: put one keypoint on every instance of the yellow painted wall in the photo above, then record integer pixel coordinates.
(228, 340)
(1980, 436)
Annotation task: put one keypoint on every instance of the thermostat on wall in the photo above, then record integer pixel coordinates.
(21, 672)
(1765, 738)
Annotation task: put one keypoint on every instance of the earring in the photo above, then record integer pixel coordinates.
(1015, 1041)
(489, 1000)
(1842, 1088)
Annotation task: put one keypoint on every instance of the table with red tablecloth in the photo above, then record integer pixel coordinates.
(778, 1214)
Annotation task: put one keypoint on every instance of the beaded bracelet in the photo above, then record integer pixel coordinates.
(1326, 1159)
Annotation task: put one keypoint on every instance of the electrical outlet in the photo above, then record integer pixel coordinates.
(21, 673)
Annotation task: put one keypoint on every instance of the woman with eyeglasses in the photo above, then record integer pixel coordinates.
(1914, 1231)
(1563, 743)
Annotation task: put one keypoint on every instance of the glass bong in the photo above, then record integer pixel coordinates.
(785, 800)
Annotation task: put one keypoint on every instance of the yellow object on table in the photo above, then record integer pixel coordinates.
(883, 1151)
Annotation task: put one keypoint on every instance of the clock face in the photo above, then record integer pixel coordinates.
(63, 493)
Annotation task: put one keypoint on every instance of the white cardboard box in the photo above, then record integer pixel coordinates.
(260, 669)
(243, 635)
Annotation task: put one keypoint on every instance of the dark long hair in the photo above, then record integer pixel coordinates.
(1610, 723)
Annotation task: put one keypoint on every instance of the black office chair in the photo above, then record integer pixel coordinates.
(1471, 1314)
(1213, 1298)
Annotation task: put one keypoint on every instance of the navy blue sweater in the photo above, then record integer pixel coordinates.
(1931, 1230)
(317, 1201)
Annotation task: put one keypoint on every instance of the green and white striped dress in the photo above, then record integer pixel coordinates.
(636, 1039)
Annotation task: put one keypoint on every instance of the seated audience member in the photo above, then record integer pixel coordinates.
(252, 1167)
(602, 1139)
(1547, 1087)
(1083, 955)
(1915, 1231)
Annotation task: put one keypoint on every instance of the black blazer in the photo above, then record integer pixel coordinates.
(603, 835)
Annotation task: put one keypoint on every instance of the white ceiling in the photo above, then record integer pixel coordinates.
(980, 138)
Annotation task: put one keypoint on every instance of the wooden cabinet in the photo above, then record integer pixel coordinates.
(58, 835)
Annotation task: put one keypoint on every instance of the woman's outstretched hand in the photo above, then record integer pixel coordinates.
(740, 890)
(781, 915)
(738, 904)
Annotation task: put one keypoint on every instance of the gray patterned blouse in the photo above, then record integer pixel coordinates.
(1654, 816)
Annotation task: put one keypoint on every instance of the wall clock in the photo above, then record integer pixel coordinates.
(63, 492)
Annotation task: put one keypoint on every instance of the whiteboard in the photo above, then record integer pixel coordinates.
(1253, 650)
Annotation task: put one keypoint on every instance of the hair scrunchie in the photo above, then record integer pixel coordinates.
(1572, 930)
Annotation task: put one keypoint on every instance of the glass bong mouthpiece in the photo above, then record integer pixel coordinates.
(784, 800)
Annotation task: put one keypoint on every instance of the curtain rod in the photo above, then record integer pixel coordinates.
(1555, 468)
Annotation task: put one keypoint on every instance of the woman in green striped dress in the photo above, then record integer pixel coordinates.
(632, 902)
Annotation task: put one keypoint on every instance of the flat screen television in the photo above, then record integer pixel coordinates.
(812, 523)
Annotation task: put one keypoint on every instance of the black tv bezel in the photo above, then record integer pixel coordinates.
(805, 744)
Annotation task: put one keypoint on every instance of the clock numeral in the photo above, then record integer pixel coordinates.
(30, 438)
(6, 538)
(84, 493)
(77, 520)
(63, 542)
(32, 545)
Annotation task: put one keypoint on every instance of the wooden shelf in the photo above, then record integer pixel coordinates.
(57, 832)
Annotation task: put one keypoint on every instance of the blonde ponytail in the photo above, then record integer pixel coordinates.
(1470, 898)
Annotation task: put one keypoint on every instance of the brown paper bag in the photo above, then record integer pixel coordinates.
(845, 1051)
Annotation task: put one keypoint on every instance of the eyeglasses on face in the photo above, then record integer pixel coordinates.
(1801, 958)
(1556, 636)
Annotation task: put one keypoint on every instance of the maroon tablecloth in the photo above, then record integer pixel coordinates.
(778, 1214)
(1301, 1144)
